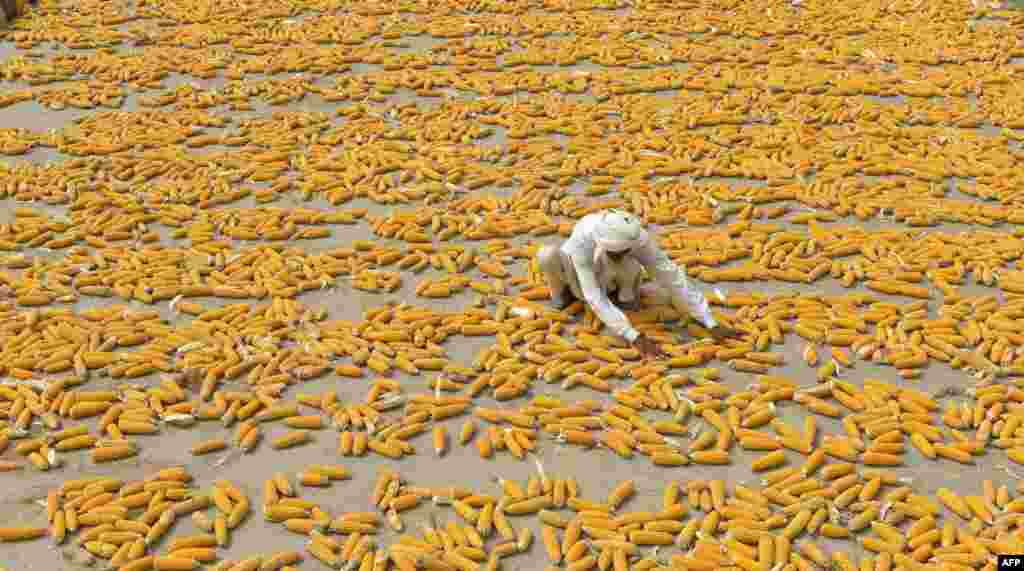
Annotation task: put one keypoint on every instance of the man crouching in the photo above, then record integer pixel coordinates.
(606, 254)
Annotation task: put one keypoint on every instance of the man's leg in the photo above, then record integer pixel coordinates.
(549, 260)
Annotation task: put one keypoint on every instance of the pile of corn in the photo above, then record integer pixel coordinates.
(834, 114)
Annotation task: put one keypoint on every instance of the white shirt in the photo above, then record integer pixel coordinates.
(579, 248)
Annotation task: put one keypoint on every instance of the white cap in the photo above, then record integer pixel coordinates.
(619, 231)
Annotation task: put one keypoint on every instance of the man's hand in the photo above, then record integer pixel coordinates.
(647, 347)
(720, 332)
(632, 305)
(568, 298)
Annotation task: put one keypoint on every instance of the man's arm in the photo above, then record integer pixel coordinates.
(672, 278)
(597, 299)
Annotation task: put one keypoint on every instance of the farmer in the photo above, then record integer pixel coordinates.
(606, 254)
